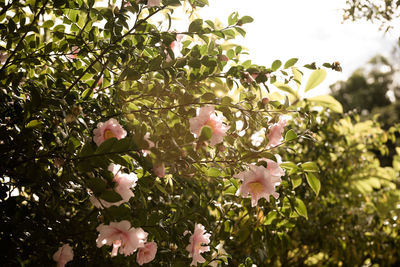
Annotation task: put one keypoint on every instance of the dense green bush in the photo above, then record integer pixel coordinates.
(85, 86)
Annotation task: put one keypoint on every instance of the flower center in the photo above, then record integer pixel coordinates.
(212, 124)
(108, 134)
(256, 187)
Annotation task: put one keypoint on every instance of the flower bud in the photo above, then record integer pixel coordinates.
(223, 58)
(159, 169)
(265, 100)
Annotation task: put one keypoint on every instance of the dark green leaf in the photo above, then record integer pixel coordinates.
(111, 196)
(196, 25)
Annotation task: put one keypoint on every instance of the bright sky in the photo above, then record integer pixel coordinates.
(310, 30)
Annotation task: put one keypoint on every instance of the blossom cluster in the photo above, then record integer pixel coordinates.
(259, 181)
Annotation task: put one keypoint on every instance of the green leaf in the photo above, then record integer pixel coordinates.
(172, 2)
(106, 146)
(241, 31)
(296, 182)
(213, 172)
(48, 24)
(276, 64)
(206, 133)
(209, 96)
(297, 76)
(230, 190)
(248, 262)
(275, 104)
(87, 150)
(286, 88)
(196, 25)
(161, 188)
(290, 135)
(328, 102)
(301, 208)
(313, 182)
(246, 64)
(130, 75)
(110, 196)
(289, 166)
(210, 23)
(87, 93)
(271, 216)
(396, 162)
(317, 77)
(97, 185)
(34, 124)
(234, 182)
(245, 19)
(230, 54)
(290, 63)
(226, 101)
(125, 144)
(233, 18)
(310, 167)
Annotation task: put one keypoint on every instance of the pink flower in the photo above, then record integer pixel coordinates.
(74, 53)
(107, 130)
(124, 183)
(176, 46)
(259, 182)
(147, 253)
(274, 167)
(275, 133)
(146, 137)
(124, 239)
(63, 255)
(195, 247)
(152, 3)
(207, 117)
(159, 169)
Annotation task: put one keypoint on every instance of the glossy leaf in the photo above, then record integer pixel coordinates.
(313, 182)
(316, 78)
(328, 102)
(301, 208)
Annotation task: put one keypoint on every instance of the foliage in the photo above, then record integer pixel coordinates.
(70, 65)
(354, 220)
(384, 11)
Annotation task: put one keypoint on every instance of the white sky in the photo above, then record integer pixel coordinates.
(310, 30)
